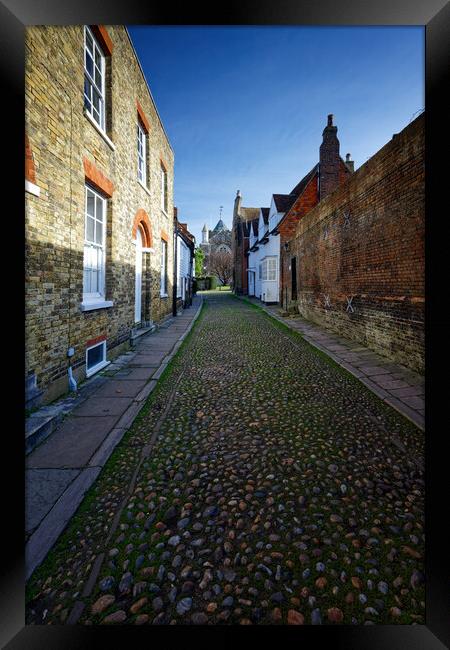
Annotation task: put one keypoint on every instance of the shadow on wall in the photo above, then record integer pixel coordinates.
(54, 321)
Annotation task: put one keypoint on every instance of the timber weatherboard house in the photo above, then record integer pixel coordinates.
(98, 195)
(185, 253)
(262, 259)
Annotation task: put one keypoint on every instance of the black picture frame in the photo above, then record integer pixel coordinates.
(435, 16)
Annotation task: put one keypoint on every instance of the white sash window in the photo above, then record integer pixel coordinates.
(94, 78)
(94, 246)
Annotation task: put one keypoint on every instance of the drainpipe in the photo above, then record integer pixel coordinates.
(72, 382)
(175, 264)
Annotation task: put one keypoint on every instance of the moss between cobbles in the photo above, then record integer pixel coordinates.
(64, 542)
(298, 433)
(325, 357)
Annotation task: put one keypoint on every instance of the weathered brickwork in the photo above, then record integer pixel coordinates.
(360, 253)
(67, 151)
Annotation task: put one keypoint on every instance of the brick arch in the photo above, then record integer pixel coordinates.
(141, 220)
(30, 170)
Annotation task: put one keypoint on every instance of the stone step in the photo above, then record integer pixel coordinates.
(38, 428)
(136, 334)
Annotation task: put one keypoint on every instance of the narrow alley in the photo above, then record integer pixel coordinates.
(260, 484)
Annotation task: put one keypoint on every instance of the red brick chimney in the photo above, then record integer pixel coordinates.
(329, 160)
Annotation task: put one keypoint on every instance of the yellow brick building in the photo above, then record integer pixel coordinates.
(99, 204)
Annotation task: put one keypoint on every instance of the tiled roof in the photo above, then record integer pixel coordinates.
(249, 213)
(284, 201)
(298, 189)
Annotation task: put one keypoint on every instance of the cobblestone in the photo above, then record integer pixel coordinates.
(238, 515)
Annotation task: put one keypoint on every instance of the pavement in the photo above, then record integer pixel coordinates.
(263, 485)
(400, 387)
(63, 467)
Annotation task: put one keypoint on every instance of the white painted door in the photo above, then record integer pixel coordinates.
(138, 283)
(251, 283)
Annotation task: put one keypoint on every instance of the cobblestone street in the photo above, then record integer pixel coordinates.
(260, 484)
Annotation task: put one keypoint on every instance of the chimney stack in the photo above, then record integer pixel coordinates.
(350, 163)
(329, 160)
(237, 204)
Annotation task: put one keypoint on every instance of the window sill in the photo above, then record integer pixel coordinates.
(32, 188)
(163, 295)
(101, 304)
(89, 117)
(144, 187)
(97, 368)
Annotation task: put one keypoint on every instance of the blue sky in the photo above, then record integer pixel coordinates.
(244, 107)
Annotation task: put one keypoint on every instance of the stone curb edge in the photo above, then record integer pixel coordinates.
(383, 395)
(56, 520)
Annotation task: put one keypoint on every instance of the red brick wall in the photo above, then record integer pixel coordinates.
(366, 240)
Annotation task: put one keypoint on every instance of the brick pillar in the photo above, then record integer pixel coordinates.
(329, 160)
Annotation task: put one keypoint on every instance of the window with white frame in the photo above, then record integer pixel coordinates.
(142, 154)
(264, 270)
(94, 246)
(94, 78)
(95, 358)
(163, 189)
(272, 268)
(163, 267)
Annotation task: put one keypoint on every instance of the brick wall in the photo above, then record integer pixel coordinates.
(66, 149)
(364, 243)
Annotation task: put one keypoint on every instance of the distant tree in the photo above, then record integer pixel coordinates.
(220, 262)
(199, 257)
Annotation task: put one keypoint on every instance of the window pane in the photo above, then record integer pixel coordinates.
(89, 42)
(89, 228)
(99, 207)
(94, 278)
(89, 64)
(98, 78)
(98, 232)
(90, 203)
(95, 355)
(86, 281)
(96, 100)
(98, 59)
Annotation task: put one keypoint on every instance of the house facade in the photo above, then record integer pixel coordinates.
(268, 264)
(185, 249)
(98, 195)
(241, 235)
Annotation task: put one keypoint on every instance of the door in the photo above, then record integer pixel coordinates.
(251, 283)
(294, 277)
(138, 282)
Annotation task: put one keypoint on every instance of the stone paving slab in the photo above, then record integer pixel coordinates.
(121, 387)
(102, 406)
(43, 487)
(138, 372)
(400, 387)
(149, 360)
(56, 520)
(73, 443)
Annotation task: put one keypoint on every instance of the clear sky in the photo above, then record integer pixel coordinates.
(244, 107)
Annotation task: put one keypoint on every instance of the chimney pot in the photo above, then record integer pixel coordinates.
(347, 157)
(330, 119)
